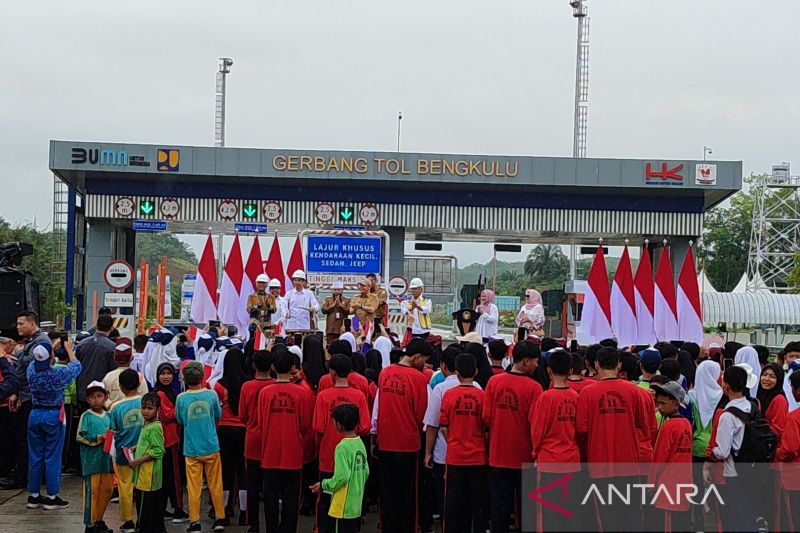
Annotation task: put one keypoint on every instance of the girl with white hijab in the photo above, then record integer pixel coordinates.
(749, 356)
(705, 397)
(163, 350)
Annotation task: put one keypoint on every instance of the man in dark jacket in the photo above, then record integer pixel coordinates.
(96, 355)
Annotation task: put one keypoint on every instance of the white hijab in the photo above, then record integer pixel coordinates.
(163, 352)
(219, 368)
(706, 392)
(384, 345)
(348, 336)
(749, 355)
(203, 354)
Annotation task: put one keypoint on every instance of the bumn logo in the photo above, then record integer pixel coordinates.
(94, 156)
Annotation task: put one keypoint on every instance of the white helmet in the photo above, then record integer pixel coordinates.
(262, 278)
(416, 283)
(337, 285)
(299, 274)
(274, 283)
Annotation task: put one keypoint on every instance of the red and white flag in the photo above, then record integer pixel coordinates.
(231, 310)
(623, 303)
(690, 309)
(644, 293)
(275, 265)
(259, 340)
(665, 309)
(296, 261)
(596, 318)
(204, 300)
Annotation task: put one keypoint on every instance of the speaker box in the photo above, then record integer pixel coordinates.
(19, 291)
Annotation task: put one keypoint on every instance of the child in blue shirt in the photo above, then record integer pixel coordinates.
(198, 411)
(126, 423)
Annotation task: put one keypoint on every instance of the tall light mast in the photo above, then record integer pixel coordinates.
(579, 11)
(219, 100)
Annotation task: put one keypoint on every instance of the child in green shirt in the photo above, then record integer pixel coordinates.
(350, 472)
(98, 472)
(146, 466)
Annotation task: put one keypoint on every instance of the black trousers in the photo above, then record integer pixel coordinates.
(8, 446)
(617, 517)
(171, 479)
(505, 485)
(737, 514)
(438, 484)
(346, 525)
(465, 499)
(255, 486)
(231, 452)
(324, 523)
(21, 425)
(548, 519)
(427, 493)
(398, 488)
(149, 510)
(281, 499)
(307, 498)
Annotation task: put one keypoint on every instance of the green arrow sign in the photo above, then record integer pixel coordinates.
(147, 207)
(250, 210)
(346, 214)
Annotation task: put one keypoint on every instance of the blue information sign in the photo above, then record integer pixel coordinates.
(149, 225)
(344, 255)
(245, 227)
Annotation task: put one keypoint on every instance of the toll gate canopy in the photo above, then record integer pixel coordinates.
(419, 196)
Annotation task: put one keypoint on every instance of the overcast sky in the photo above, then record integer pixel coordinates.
(470, 76)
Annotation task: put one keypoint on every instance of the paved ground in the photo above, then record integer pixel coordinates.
(16, 518)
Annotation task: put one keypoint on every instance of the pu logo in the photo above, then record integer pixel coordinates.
(168, 160)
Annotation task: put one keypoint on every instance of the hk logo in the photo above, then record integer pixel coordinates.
(536, 495)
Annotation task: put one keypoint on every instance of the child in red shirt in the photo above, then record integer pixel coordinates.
(465, 476)
(285, 411)
(789, 456)
(555, 446)
(506, 406)
(672, 457)
(497, 352)
(327, 435)
(248, 411)
(400, 405)
(609, 421)
(576, 381)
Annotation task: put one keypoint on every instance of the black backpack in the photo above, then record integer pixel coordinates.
(759, 443)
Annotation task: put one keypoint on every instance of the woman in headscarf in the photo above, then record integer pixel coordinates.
(489, 316)
(483, 366)
(231, 430)
(165, 388)
(163, 351)
(531, 314)
(313, 360)
(749, 356)
(771, 399)
(705, 397)
(348, 337)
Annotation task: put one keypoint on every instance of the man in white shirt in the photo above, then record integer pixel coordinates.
(418, 308)
(435, 443)
(737, 495)
(300, 304)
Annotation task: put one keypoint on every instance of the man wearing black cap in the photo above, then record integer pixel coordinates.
(400, 404)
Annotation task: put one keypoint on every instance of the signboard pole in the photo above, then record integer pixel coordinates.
(161, 283)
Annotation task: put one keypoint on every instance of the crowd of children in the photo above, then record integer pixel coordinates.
(428, 433)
